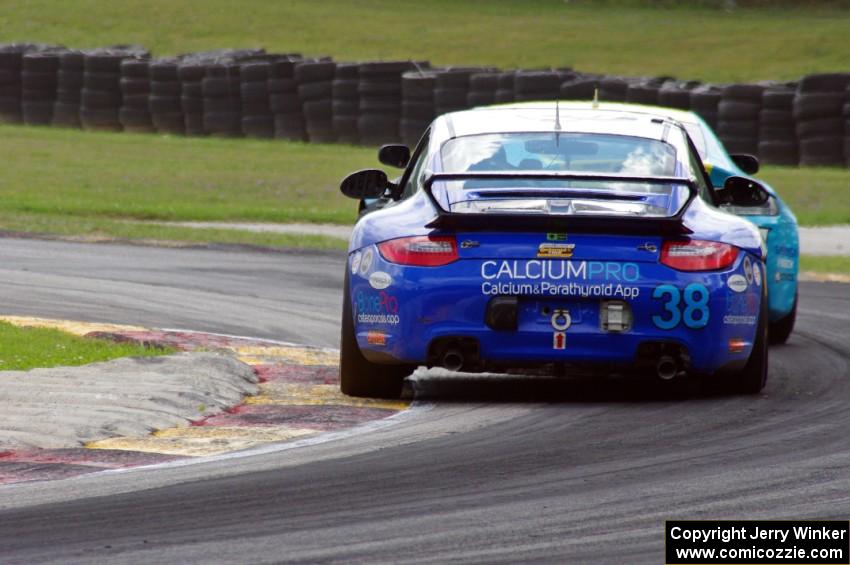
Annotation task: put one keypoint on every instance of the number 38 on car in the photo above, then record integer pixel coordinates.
(580, 239)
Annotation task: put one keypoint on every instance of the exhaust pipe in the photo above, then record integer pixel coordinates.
(453, 359)
(667, 368)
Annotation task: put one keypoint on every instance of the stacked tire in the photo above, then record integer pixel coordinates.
(165, 98)
(11, 88)
(579, 88)
(346, 102)
(613, 89)
(818, 106)
(738, 117)
(644, 92)
(418, 109)
(315, 90)
(191, 73)
(538, 85)
(257, 116)
(69, 86)
(482, 89)
(11, 59)
(705, 101)
(505, 90)
(39, 75)
(101, 95)
(135, 114)
(284, 101)
(846, 115)
(777, 136)
(675, 94)
(379, 88)
(221, 89)
(451, 92)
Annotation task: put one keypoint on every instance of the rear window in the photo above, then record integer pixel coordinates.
(577, 152)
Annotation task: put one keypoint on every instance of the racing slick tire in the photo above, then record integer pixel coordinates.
(357, 375)
(752, 378)
(780, 330)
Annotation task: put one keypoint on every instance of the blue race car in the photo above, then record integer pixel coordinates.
(556, 237)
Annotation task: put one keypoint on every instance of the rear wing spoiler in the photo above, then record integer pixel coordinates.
(609, 223)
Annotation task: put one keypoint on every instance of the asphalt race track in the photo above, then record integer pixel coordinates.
(588, 476)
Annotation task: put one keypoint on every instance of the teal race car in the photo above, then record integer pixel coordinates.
(775, 221)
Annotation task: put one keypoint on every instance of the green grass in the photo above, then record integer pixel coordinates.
(694, 40)
(825, 264)
(818, 196)
(53, 171)
(27, 348)
(68, 182)
(71, 183)
(98, 229)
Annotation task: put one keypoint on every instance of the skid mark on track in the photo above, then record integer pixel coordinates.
(298, 398)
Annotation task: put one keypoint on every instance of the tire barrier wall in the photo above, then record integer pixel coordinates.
(252, 93)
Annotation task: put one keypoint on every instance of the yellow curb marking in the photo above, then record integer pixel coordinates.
(293, 394)
(197, 441)
(72, 327)
(259, 354)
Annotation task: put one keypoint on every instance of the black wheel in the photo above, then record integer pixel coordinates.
(358, 376)
(780, 330)
(752, 378)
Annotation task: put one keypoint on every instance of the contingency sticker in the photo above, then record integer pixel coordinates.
(376, 338)
(741, 310)
(560, 250)
(748, 270)
(561, 320)
(376, 309)
(366, 262)
(559, 340)
(737, 283)
(380, 280)
(560, 278)
(355, 262)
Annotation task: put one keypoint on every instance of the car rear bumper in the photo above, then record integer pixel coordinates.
(426, 311)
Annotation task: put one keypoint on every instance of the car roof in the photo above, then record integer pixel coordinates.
(573, 116)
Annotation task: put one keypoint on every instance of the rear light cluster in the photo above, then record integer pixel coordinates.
(420, 250)
(434, 251)
(698, 255)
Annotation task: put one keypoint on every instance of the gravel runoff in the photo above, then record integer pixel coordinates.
(70, 406)
(826, 240)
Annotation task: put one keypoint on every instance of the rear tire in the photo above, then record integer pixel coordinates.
(752, 378)
(358, 376)
(780, 330)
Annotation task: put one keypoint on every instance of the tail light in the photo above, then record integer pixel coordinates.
(698, 255)
(420, 250)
